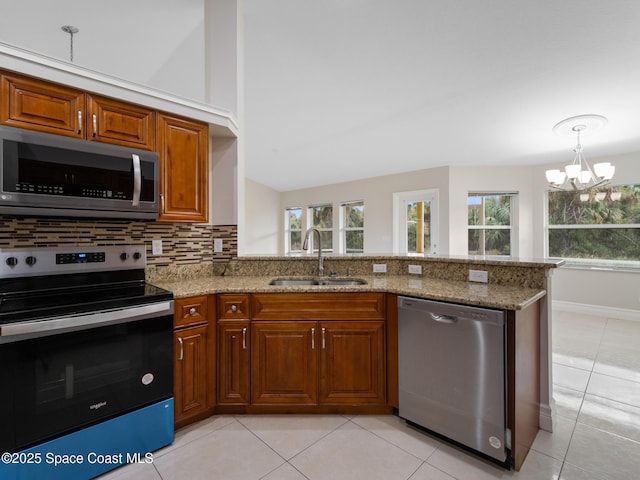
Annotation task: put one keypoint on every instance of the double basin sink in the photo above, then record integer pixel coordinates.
(322, 281)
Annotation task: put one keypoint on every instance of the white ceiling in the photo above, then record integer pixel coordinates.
(337, 90)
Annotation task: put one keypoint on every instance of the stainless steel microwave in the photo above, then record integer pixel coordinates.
(50, 175)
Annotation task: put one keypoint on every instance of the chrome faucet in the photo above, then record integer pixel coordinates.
(305, 245)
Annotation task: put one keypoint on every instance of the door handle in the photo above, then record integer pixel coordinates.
(95, 124)
(137, 180)
(79, 122)
(313, 339)
(323, 342)
(244, 338)
(181, 356)
(443, 318)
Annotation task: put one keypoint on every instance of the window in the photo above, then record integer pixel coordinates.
(322, 219)
(415, 222)
(601, 224)
(490, 223)
(293, 230)
(352, 221)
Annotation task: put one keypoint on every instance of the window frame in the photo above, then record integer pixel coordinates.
(344, 228)
(607, 263)
(511, 227)
(288, 230)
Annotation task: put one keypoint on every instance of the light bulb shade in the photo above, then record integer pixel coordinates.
(552, 175)
(615, 196)
(585, 176)
(572, 171)
(555, 177)
(604, 170)
(584, 197)
(601, 196)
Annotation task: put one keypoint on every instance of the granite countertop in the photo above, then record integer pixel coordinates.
(479, 294)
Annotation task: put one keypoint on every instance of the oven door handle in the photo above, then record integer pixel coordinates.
(49, 326)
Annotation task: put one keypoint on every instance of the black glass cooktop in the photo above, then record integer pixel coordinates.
(52, 296)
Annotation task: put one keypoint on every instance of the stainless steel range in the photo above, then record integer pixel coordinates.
(86, 361)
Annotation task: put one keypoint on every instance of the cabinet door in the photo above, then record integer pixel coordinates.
(284, 363)
(42, 106)
(190, 372)
(111, 121)
(183, 148)
(234, 357)
(352, 363)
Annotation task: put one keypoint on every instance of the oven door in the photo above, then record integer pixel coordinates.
(61, 383)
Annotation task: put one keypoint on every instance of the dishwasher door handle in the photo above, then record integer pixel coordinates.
(444, 318)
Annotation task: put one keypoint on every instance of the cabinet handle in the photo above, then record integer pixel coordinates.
(313, 339)
(162, 203)
(244, 338)
(234, 309)
(181, 357)
(323, 342)
(79, 122)
(95, 124)
(192, 311)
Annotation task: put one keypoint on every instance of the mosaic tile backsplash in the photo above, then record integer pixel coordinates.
(182, 243)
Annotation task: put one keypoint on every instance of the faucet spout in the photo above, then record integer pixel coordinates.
(306, 245)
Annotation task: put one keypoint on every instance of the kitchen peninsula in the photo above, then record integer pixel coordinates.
(263, 348)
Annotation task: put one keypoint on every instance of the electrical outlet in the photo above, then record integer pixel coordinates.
(415, 269)
(217, 245)
(379, 268)
(156, 247)
(478, 276)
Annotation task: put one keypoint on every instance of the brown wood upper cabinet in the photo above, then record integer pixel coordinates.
(183, 147)
(51, 108)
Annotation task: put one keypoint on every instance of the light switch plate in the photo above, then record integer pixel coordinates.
(217, 245)
(415, 269)
(379, 268)
(478, 276)
(156, 247)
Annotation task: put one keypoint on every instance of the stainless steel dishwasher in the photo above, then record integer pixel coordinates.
(452, 373)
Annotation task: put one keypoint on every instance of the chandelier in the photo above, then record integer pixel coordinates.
(578, 175)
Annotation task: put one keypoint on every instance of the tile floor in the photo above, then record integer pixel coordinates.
(596, 368)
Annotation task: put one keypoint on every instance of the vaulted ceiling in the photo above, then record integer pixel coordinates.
(337, 90)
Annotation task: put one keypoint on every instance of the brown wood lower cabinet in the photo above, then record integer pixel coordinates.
(318, 349)
(352, 362)
(284, 363)
(234, 357)
(190, 379)
(194, 362)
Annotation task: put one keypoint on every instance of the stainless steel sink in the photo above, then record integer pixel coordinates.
(293, 281)
(317, 281)
(342, 281)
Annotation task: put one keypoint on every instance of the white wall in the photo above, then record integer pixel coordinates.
(156, 44)
(263, 228)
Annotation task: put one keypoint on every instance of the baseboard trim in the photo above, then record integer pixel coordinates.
(603, 311)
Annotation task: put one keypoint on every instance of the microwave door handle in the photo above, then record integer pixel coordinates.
(137, 180)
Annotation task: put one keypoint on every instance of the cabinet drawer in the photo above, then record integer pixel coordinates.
(318, 306)
(189, 311)
(232, 307)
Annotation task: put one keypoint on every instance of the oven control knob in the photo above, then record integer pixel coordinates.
(124, 256)
(137, 255)
(31, 260)
(12, 261)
